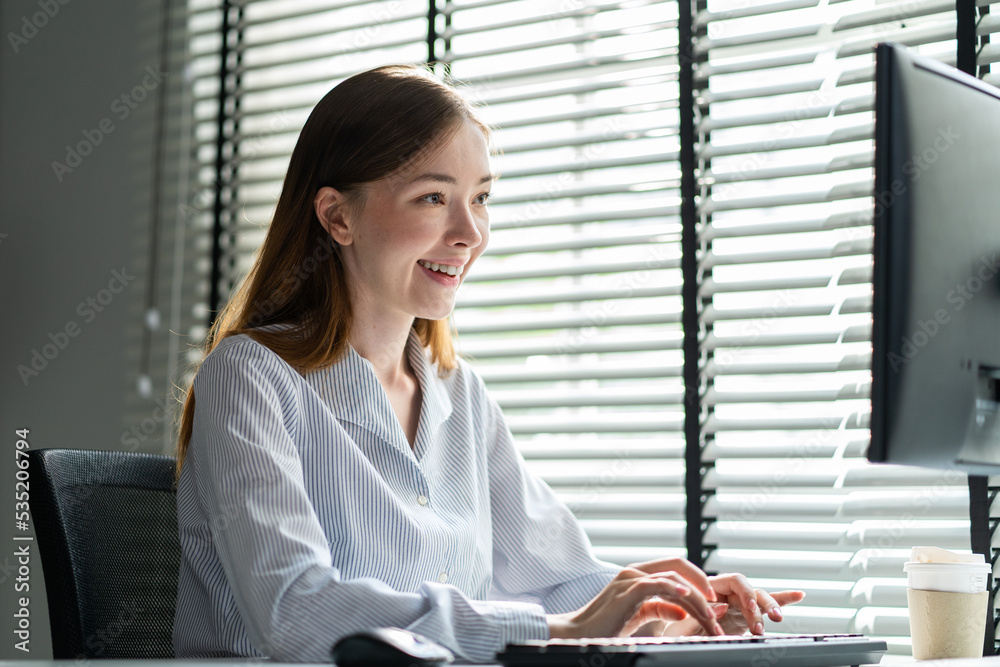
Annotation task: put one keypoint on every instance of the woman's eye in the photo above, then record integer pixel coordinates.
(433, 198)
(483, 198)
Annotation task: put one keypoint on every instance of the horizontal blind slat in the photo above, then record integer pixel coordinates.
(496, 375)
(485, 275)
(546, 296)
(566, 12)
(591, 345)
(522, 221)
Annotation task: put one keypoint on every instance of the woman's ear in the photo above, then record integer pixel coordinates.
(331, 209)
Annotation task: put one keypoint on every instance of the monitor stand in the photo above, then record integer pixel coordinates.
(981, 497)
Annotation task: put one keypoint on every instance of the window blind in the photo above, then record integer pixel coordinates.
(988, 53)
(785, 100)
(169, 246)
(205, 81)
(278, 58)
(572, 315)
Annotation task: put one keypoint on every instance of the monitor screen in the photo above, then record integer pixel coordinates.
(936, 300)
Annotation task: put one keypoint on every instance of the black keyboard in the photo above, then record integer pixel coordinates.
(827, 650)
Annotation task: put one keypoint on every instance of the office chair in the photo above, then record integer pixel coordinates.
(106, 525)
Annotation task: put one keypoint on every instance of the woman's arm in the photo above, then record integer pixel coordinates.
(541, 549)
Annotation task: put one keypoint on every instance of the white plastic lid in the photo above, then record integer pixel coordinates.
(948, 577)
(939, 555)
(934, 569)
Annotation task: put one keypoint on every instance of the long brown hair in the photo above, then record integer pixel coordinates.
(365, 129)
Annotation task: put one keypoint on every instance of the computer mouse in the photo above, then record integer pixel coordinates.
(392, 647)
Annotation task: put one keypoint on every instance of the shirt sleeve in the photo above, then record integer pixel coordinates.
(540, 551)
(293, 602)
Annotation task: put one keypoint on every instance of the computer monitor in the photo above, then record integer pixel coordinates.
(936, 307)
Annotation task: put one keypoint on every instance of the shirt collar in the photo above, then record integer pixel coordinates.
(352, 391)
(436, 403)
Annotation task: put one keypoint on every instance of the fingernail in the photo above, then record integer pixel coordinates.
(683, 590)
(753, 606)
(718, 629)
(758, 628)
(775, 613)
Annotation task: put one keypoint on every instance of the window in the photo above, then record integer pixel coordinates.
(575, 315)
(785, 101)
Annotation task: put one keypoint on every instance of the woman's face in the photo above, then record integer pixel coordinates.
(420, 230)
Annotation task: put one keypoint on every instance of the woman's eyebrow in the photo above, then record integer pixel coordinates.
(445, 178)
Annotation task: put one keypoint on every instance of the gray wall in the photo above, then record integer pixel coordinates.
(62, 242)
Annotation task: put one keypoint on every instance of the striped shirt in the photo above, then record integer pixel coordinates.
(304, 515)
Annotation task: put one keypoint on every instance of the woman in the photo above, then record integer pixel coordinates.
(340, 468)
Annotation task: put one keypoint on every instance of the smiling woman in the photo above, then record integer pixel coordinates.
(341, 469)
(363, 131)
(418, 230)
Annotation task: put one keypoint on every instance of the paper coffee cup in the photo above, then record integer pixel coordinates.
(947, 600)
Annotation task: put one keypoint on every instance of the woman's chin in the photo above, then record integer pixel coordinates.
(438, 311)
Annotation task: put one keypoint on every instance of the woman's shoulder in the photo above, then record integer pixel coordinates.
(241, 353)
(465, 371)
(239, 346)
(465, 379)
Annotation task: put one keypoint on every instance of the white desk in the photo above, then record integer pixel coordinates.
(887, 661)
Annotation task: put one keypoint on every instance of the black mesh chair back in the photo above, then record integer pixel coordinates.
(106, 525)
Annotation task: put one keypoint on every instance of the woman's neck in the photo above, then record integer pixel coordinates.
(383, 344)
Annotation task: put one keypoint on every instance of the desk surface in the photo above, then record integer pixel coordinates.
(239, 662)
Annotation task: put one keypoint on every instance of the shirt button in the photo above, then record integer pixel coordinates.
(422, 500)
(443, 577)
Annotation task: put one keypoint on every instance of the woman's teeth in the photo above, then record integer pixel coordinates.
(441, 268)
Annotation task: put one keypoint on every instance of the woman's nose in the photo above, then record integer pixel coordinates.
(464, 229)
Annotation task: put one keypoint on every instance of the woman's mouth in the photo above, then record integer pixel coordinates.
(441, 268)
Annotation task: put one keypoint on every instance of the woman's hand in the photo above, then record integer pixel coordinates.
(673, 596)
(741, 607)
(749, 605)
(641, 596)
